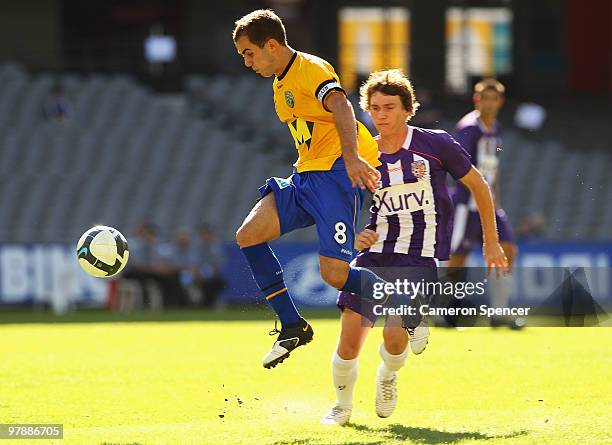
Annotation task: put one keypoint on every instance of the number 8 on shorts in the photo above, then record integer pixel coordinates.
(340, 235)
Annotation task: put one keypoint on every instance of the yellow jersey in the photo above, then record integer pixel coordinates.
(299, 95)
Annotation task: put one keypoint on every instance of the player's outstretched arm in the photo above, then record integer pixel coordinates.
(493, 252)
(496, 192)
(359, 171)
(365, 239)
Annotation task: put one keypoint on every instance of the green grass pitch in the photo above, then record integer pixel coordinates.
(201, 382)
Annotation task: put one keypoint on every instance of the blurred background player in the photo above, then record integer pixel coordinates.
(210, 255)
(198, 265)
(479, 132)
(410, 228)
(152, 267)
(335, 163)
(58, 108)
(183, 260)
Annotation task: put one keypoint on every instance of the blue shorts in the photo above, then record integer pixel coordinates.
(324, 198)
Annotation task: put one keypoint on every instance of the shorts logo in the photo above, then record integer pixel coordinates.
(282, 183)
(289, 99)
(418, 169)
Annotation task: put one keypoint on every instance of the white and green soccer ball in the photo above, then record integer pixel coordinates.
(102, 251)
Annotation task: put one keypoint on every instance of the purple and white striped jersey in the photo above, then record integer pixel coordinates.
(412, 210)
(482, 145)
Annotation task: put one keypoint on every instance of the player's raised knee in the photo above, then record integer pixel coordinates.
(244, 236)
(348, 350)
(396, 340)
(334, 279)
(334, 272)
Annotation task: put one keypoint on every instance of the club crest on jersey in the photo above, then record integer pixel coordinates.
(418, 169)
(289, 99)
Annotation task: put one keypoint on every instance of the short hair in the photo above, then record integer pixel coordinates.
(392, 83)
(489, 84)
(260, 26)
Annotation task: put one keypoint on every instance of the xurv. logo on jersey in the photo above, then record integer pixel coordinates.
(301, 131)
(403, 198)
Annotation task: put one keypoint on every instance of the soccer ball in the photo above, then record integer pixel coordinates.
(102, 251)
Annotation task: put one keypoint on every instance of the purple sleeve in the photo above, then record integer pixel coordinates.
(454, 158)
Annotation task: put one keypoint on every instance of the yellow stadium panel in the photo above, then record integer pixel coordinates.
(372, 39)
(478, 43)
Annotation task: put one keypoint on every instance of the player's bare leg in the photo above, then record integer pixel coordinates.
(354, 330)
(259, 227)
(394, 352)
(395, 337)
(261, 224)
(334, 271)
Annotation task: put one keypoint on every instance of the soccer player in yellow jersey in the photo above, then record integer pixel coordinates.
(336, 162)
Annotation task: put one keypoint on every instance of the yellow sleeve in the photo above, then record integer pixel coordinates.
(321, 81)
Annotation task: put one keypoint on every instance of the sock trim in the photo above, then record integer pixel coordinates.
(272, 285)
(345, 364)
(353, 280)
(392, 358)
(274, 294)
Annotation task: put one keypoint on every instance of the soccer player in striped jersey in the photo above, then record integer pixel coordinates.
(410, 227)
(479, 133)
(336, 162)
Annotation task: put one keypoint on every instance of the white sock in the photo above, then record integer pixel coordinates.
(391, 363)
(345, 375)
(500, 289)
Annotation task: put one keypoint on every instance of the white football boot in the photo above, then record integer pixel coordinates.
(419, 337)
(386, 395)
(337, 415)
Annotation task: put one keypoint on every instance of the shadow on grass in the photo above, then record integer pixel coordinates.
(430, 436)
(397, 432)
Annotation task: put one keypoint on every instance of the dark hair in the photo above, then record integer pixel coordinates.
(391, 83)
(489, 84)
(260, 26)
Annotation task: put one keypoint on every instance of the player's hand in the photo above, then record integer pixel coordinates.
(361, 173)
(365, 239)
(495, 257)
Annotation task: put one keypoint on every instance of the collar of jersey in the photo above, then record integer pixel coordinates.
(408, 141)
(484, 128)
(405, 146)
(284, 73)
